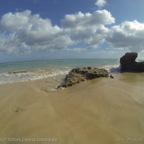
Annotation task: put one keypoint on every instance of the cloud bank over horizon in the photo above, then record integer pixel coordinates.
(23, 32)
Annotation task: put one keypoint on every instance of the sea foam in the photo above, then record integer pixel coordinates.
(34, 70)
(112, 68)
(23, 76)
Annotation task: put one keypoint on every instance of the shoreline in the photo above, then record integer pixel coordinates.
(18, 72)
(100, 111)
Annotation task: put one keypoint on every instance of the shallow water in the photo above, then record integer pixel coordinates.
(34, 70)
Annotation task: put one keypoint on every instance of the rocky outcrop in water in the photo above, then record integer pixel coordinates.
(128, 63)
(78, 75)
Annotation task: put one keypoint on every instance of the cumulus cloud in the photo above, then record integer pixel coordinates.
(100, 3)
(128, 35)
(88, 28)
(23, 32)
(80, 19)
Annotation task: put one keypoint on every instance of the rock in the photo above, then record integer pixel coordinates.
(78, 75)
(128, 58)
(128, 63)
(111, 76)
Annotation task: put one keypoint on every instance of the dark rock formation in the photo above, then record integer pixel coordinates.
(78, 75)
(128, 63)
(111, 76)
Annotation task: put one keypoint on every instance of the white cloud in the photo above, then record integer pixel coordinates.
(128, 35)
(23, 32)
(15, 21)
(88, 28)
(100, 17)
(100, 3)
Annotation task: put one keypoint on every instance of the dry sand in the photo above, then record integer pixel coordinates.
(101, 111)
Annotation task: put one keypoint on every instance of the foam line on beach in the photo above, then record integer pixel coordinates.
(23, 76)
(40, 73)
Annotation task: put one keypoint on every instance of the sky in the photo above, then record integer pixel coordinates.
(70, 29)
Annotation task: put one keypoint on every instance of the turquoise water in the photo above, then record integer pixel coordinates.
(32, 70)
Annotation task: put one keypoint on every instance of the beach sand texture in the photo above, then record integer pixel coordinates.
(100, 111)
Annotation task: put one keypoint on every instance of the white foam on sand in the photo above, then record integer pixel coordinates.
(23, 76)
(36, 74)
(112, 68)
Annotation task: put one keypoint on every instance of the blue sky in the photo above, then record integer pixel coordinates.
(62, 29)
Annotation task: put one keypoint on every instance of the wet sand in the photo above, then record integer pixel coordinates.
(100, 111)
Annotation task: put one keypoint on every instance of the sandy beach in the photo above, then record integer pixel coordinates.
(100, 111)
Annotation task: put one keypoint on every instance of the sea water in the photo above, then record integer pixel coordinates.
(34, 70)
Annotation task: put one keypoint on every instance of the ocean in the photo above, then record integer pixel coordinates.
(33, 70)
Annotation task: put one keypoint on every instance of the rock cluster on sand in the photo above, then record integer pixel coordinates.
(128, 63)
(78, 75)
